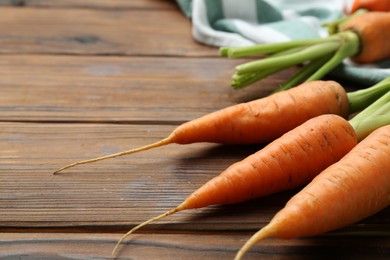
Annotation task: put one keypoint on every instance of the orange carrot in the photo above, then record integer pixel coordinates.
(282, 164)
(371, 5)
(346, 192)
(373, 29)
(258, 121)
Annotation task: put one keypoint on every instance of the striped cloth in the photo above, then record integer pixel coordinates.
(243, 23)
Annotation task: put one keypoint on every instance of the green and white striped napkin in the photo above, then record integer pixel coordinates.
(243, 23)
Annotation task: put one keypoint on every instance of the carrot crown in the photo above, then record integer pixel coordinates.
(360, 99)
(375, 115)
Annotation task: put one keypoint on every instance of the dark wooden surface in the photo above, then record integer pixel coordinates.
(79, 79)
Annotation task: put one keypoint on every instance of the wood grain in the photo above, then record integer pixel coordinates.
(120, 192)
(119, 89)
(98, 32)
(114, 192)
(185, 246)
(80, 79)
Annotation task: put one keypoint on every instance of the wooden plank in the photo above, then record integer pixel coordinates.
(121, 192)
(186, 246)
(111, 4)
(114, 192)
(119, 89)
(92, 32)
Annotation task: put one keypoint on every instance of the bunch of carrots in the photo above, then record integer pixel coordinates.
(326, 138)
(311, 120)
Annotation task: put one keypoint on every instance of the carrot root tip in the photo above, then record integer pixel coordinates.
(169, 212)
(162, 142)
(259, 235)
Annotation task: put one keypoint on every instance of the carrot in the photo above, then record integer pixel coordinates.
(263, 120)
(373, 29)
(363, 37)
(355, 187)
(371, 5)
(280, 165)
(284, 164)
(346, 192)
(258, 121)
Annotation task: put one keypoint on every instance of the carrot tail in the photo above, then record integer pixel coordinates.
(162, 142)
(169, 212)
(259, 235)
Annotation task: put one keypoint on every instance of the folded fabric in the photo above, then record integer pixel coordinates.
(243, 23)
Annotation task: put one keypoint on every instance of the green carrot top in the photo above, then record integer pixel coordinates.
(320, 55)
(375, 115)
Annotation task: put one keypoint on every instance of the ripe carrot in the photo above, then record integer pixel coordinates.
(371, 5)
(258, 121)
(265, 119)
(373, 29)
(346, 192)
(280, 165)
(363, 37)
(284, 164)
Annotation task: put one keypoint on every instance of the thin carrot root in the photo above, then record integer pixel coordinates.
(168, 213)
(162, 142)
(259, 235)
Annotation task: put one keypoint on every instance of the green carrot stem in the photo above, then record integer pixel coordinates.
(303, 74)
(370, 119)
(334, 26)
(349, 47)
(287, 51)
(241, 81)
(311, 52)
(382, 110)
(367, 126)
(268, 48)
(223, 51)
(380, 106)
(360, 99)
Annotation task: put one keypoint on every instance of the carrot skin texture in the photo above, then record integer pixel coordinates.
(292, 160)
(281, 165)
(373, 29)
(346, 192)
(258, 121)
(265, 119)
(355, 188)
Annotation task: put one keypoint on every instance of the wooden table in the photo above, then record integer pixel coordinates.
(80, 79)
